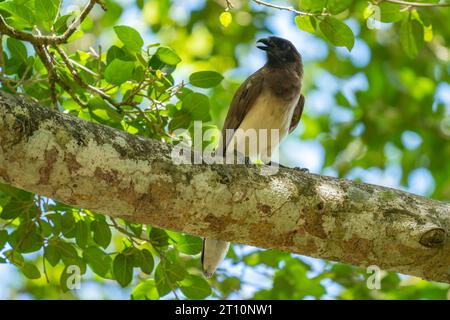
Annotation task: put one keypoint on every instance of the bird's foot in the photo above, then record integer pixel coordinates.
(275, 164)
(305, 170)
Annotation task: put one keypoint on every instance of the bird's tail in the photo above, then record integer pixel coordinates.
(213, 253)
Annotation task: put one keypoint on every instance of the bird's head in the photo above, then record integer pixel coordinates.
(279, 51)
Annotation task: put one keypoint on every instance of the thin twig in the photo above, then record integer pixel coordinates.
(5, 80)
(46, 60)
(417, 4)
(291, 9)
(80, 81)
(41, 51)
(45, 39)
(51, 82)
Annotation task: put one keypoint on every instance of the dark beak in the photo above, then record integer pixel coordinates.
(266, 44)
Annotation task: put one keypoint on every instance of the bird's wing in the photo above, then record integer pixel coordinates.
(243, 100)
(297, 113)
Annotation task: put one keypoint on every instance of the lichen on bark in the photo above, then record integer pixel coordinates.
(118, 174)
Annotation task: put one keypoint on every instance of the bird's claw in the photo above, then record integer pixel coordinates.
(305, 170)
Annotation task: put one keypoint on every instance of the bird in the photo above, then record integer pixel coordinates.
(268, 99)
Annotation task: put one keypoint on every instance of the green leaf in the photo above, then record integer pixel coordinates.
(197, 105)
(306, 23)
(119, 71)
(13, 209)
(338, 6)
(190, 245)
(205, 79)
(118, 53)
(31, 271)
(158, 237)
(17, 49)
(174, 272)
(271, 258)
(312, 5)
(147, 263)
(102, 233)
(411, 37)
(46, 11)
(195, 287)
(145, 291)
(62, 23)
(69, 277)
(140, 4)
(3, 238)
(167, 55)
(21, 14)
(225, 18)
(129, 37)
(68, 225)
(46, 228)
(103, 112)
(66, 250)
(81, 233)
(15, 257)
(26, 239)
(98, 260)
(181, 119)
(161, 281)
(123, 269)
(337, 32)
(52, 254)
(390, 12)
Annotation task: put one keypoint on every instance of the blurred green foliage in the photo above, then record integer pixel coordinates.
(110, 73)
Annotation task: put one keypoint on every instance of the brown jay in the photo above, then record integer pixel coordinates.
(269, 99)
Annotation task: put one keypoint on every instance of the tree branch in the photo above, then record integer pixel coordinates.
(417, 4)
(291, 9)
(324, 13)
(108, 171)
(45, 39)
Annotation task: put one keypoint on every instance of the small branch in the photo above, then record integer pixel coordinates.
(44, 39)
(80, 81)
(51, 82)
(52, 77)
(324, 13)
(46, 60)
(417, 4)
(291, 9)
(5, 80)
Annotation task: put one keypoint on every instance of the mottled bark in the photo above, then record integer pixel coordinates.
(118, 174)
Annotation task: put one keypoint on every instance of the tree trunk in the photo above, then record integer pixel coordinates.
(111, 172)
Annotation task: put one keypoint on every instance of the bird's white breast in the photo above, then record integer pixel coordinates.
(269, 112)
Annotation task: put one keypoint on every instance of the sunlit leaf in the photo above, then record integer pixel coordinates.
(167, 55)
(119, 71)
(205, 79)
(337, 32)
(411, 37)
(129, 37)
(123, 269)
(306, 23)
(225, 18)
(195, 287)
(145, 291)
